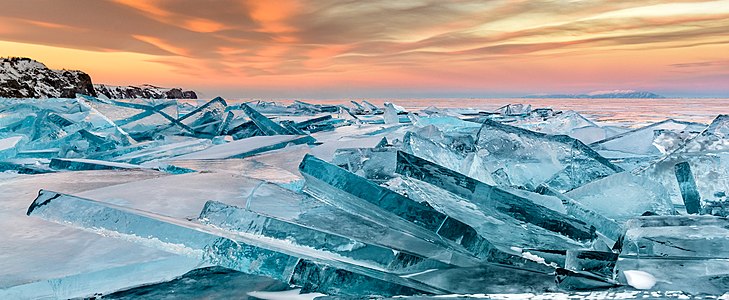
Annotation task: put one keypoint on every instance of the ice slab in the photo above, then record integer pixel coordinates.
(157, 150)
(264, 124)
(493, 198)
(687, 185)
(270, 200)
(369, 255)
(83, 263)
(357, 195)
(651, 140)
(680, 252)
(77, 164)
(238, 252)
(707, 155)
(9, 146)
(487, 278)
(247, 147)
(686, 237)
(624, 196)
(207, 283)
(531, 158)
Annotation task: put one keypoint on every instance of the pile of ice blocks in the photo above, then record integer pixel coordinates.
(354, 200)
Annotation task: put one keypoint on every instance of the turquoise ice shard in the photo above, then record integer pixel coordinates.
(155, 150)
(270, 200)
(491, 197)
(683, 236)
(606, 226)
(303, 107)
(683, 252)
(9, 146)
(599, 263)
(265, 124)
(506, 233)
(649, 141)
(689, 191)
(707, 154)
(247, 147)
(624, 196)
(377, 164)
(358, 195)
(246, 254)
(390, 114)
(240, 220)
(487, 278)
(205, 121)
(373, 109)
(355, 194)
(531, 158)
(77, 164)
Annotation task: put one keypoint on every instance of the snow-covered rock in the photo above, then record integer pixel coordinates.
(22, 77)
(146, 91)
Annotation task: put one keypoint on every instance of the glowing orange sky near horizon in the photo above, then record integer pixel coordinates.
(322, 49)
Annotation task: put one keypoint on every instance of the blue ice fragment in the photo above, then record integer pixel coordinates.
(246, 254)
(682, 252)
(531, 158)
(358, 195)
(248, 222)
(689, 191)
(267, 126)
(490, 197)
(248, 147)
(77, 164)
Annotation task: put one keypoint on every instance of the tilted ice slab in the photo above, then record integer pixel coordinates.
(258, 256)
(495, 201)
(247, 147)
(270, 200)
(530, 158)
(707, 156)
(623, 196)
(651, 140)
(251, 168)
(263, 123)
(156, 150)
(244, 221)
(82, 263)
(569, 123)
(77, 164)
(686, 253)
(357, 195)
(9, 146)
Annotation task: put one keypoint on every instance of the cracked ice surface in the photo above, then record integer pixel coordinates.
(227, 199)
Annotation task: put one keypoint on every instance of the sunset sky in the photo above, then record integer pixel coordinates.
(347, 48)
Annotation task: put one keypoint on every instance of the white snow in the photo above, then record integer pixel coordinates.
(639, 279)
(285, 295)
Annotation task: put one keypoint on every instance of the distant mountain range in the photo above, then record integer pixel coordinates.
(602, 95)
(22, 77)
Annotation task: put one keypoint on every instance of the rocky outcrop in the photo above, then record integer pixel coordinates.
(146, 91)
(22, 77)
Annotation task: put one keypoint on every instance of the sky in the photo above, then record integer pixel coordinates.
(351, 49)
